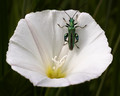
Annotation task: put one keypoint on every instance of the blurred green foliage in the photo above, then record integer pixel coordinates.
(105, 12)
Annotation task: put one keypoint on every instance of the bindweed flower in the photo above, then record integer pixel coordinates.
(37, 50)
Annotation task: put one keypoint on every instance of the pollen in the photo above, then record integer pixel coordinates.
(56, 71)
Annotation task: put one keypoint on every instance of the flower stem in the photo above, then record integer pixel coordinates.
(35, 91)
(47, 92)
(23, 8)
(58, 92)
(116, 45)
(101, 83)
(98, 6)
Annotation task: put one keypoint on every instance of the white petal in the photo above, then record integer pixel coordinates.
(41, 80)
(33, 76)
(36, 40)
(94, 55)
(23, 51)
(50, 35)
(47, 82)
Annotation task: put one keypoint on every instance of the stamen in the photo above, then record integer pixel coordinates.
(58, 63)
(55, 71)
(54, 60)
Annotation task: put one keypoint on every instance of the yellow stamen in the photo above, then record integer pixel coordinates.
(55, 71)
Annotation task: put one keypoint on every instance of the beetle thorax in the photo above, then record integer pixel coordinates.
(71, 22)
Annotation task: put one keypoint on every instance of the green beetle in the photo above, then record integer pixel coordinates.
(71, 37)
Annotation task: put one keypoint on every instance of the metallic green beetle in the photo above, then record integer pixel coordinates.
(71, 37)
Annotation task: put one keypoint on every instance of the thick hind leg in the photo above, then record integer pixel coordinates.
(77, 39)
(66, 38)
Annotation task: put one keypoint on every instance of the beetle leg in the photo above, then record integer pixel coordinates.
(65, 20)
(64, 25)
(61, 26)
(66, 38)
(76, 17)
(76, 45)
(75, 24)
(66, 42)
(77, 39)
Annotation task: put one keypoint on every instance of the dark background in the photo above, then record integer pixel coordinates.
(107, 15)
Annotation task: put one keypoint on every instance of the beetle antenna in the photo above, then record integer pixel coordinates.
(67, 14)
(74, 14)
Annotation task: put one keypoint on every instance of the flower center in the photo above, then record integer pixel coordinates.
(56, 71)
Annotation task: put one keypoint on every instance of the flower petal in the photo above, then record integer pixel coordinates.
(94, 55)
(41, 80)
(33, 76)
(23, 51)
(47, 82)
(35, 41)
(48, 33)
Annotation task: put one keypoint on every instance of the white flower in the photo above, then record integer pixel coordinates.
(36, 49)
